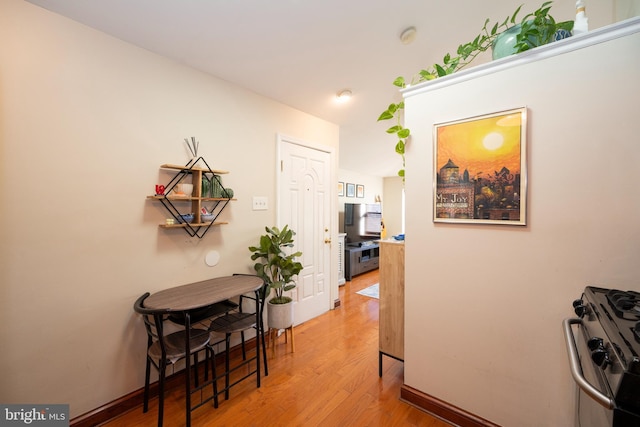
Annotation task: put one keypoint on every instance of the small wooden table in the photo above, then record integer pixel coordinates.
(186, 298)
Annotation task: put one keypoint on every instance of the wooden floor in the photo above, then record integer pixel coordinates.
(331, 379)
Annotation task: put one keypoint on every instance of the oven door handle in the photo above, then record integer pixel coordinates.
(576, 370)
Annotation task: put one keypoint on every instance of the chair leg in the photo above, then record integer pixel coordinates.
(214, 376)
(206, 365)
(244, 352)
(264, 350)
(147, 374)
(195, 368)
(161, 375)
(226, 368)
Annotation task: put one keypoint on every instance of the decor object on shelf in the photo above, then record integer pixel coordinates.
(193, 146)
(535, 29)
(183, 190)
(186, 218)
(581, 24)
(205, 186)
(480, 171)
(278, 269)
(216, 186)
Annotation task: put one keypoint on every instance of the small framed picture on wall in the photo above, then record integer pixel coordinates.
(360, 191)
(351, 190)
(340, 188)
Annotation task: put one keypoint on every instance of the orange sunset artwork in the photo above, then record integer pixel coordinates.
(482, 146)
(479, 168)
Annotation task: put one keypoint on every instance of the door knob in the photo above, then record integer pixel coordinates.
(327, 241)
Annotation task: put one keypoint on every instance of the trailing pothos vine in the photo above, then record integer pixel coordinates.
(536, 29)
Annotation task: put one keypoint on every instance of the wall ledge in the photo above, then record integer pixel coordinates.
(600, 35)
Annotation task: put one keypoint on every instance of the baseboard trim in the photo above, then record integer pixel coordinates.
(443, 410)
(135, 399)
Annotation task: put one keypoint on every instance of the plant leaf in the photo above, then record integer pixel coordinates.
(386, 115)
(513, 18)
(427, 75)
(404, 133)
(566, 25)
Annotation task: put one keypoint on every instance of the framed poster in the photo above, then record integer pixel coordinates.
(351, 190)
(340, 188)
(360, 190)
(480, 169)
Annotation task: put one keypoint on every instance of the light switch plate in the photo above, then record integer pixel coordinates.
(260, 203)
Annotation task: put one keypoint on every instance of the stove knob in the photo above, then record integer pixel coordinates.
(579, 308)
(600, 357)
(595, 343)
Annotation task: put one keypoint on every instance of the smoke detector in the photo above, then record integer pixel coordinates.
(408, 35)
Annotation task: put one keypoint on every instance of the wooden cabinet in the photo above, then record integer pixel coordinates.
(198, 201)
(391, 316)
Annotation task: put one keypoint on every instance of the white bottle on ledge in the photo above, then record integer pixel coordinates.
(581, 23)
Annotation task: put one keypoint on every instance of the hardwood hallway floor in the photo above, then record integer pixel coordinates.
(331, 379)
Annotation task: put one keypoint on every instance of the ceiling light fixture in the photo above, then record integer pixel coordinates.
(343, 95)
(408, 35)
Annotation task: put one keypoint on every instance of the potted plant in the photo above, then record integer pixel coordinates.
(535, 29)
(278, 269)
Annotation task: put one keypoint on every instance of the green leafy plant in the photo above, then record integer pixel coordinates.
(536, 28)
(275, 266)
(539, 28)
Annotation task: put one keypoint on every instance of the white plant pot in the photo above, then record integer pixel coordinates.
(279, 316)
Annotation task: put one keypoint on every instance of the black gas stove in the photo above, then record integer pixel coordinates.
(604, 352)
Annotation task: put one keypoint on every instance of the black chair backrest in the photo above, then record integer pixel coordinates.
(152, 322)
(262, 293)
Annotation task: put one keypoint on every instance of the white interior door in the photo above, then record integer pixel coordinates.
(304, 204)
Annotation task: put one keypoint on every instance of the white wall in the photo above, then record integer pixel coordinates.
(392, 210)
(484, 304)
(372, 187)
(85, 121)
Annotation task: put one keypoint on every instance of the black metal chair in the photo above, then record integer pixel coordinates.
(259, 304)
(164, 350)
(239, 322)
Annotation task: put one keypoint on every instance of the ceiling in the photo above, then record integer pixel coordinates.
(302, 52)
